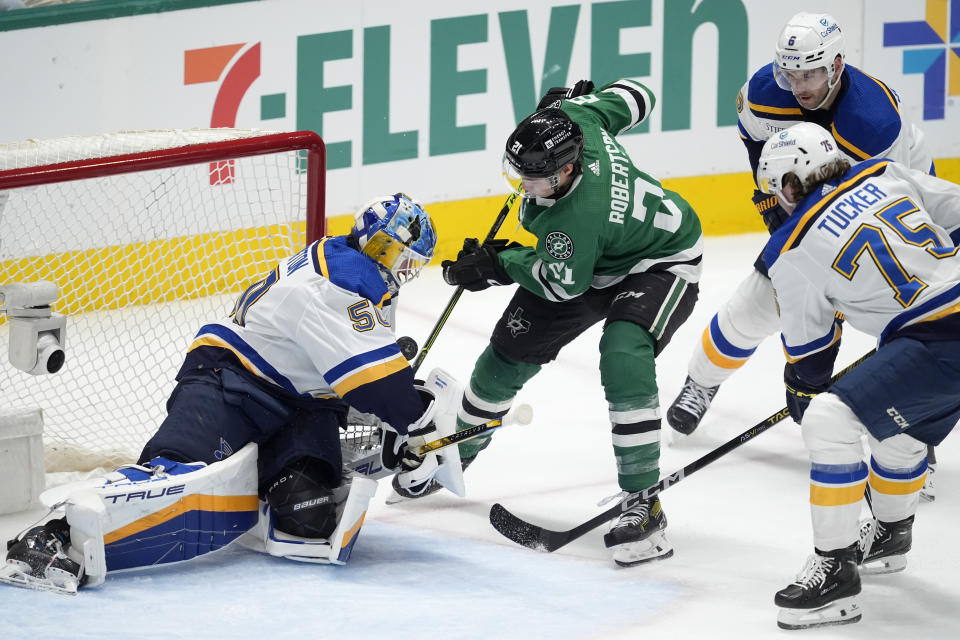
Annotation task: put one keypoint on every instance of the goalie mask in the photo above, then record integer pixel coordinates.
(805, 61)
(538, 150)
(397, 233)
(802, 150)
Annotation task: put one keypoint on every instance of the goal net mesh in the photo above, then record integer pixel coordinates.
(143, 252)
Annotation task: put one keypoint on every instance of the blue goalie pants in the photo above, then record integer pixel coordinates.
(215, 412)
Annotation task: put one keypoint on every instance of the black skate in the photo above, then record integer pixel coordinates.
(37, 560)
(686, 412)
(883, 545)
(638, 534)
(823, 593)
(402, 494)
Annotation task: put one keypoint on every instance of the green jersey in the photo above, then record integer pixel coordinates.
(615, 219)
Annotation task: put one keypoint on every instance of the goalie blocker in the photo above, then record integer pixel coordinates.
(166, 511)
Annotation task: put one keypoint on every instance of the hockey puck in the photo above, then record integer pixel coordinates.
(408, 347)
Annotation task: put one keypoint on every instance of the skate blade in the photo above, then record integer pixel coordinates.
(14, 574)
(880, 566)
(842, 611)
(629, 555)
(396, 498)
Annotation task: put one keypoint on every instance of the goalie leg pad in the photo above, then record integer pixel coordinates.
(302, 499)
(159, 517)
(444, 465)
(352, 496)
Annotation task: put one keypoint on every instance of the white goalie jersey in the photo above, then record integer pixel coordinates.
(320, 325)
(879, 246)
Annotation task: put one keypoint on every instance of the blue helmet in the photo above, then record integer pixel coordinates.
(397, 233)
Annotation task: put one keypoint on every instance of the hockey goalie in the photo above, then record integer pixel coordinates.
(257, 445)
(165, 511)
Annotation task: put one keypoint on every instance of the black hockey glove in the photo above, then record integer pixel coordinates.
(410, 459)
(770, 210)
(416, 470)
(400, 453)
(478, 266)
(799, 393)
(557, 95)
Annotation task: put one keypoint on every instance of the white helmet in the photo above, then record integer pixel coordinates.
(809, 41)
(800, 150)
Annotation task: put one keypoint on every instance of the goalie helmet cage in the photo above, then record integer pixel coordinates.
(148, 235)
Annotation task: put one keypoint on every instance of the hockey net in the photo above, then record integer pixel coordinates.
(148, 235)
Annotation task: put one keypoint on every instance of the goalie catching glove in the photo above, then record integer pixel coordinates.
(441, 397)
(402, 453)
(478, 265)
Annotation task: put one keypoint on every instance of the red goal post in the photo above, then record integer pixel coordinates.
(147, 235)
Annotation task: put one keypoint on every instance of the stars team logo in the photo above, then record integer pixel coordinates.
(559, 245)
(932, 48)
(516, 324)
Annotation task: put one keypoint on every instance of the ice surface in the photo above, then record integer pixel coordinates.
(437, 569)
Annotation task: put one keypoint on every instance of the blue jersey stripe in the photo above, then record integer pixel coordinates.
(798, 352)
(360, 361)
(950, 295)
(242, 348)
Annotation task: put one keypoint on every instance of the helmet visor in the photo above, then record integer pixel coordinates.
(529, 187)
(402, 261)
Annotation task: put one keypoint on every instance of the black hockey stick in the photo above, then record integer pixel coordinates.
(540, 539)
(501, 217)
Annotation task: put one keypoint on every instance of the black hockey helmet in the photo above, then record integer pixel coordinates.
(543, 143)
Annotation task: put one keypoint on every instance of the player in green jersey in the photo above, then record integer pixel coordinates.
(612, 245)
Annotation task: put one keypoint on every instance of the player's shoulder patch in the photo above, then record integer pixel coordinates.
(558, 245)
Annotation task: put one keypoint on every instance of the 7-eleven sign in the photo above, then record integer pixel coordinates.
(213, 64)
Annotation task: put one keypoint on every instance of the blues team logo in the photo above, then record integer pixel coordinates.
(559, 245)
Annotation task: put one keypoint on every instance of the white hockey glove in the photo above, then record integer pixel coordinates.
(441, 394)
(417, 471)
(395, 446)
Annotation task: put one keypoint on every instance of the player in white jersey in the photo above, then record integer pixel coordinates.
(808, 81)
(312, 338)
(876, 242)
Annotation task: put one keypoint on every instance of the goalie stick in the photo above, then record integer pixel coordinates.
(501, 217)
(540, 539)
(370, 466)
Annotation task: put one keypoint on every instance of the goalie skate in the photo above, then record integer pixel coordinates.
(21, 575)
(38, 561)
